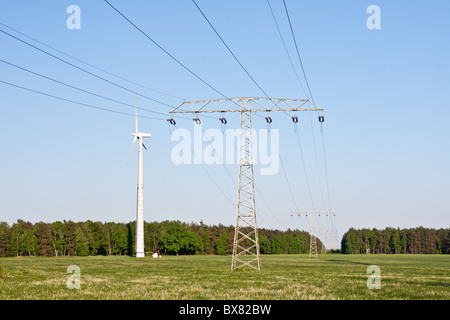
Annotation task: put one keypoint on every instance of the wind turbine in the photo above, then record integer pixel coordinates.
(139, 239)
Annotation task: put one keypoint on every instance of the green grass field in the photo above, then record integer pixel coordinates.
(286, 277)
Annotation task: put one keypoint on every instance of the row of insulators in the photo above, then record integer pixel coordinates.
(224, 121)
(299, 214)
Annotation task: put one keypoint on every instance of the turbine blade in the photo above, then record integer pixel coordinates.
(132, 146)
(144, 146)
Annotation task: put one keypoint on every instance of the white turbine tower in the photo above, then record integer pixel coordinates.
(139, 239)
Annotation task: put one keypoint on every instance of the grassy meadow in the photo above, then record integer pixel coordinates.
(286, 277)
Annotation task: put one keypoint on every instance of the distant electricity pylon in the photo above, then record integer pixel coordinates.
(328, 236)
(314, 231)
(246, 242)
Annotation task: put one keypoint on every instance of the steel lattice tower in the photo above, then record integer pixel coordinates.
(314, 231)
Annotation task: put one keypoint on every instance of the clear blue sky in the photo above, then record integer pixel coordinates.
(385, 94)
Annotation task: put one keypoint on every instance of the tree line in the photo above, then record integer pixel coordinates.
(418, 240)
(68, 238)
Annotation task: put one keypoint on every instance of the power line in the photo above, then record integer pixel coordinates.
(82, 69)
(82, 90)
(326, 169)
(234, 56)
(285, 48)
(316, 157)
(284, 173)
(312, 98)
(298, 51)
(88, 64)
(168, 53)
(304, 166)
(209, 175)
(223, 164)
(75, 102)
(164, 50)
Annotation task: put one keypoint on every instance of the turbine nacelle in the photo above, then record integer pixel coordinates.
(138, 135)
(141, 135)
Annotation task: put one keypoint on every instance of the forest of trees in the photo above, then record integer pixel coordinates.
(391, 241)
(68, 238)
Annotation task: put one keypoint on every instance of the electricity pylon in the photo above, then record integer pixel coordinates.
(328, 236)
(246, 242)
(325, 239)
(313, 230)
(312, 235)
